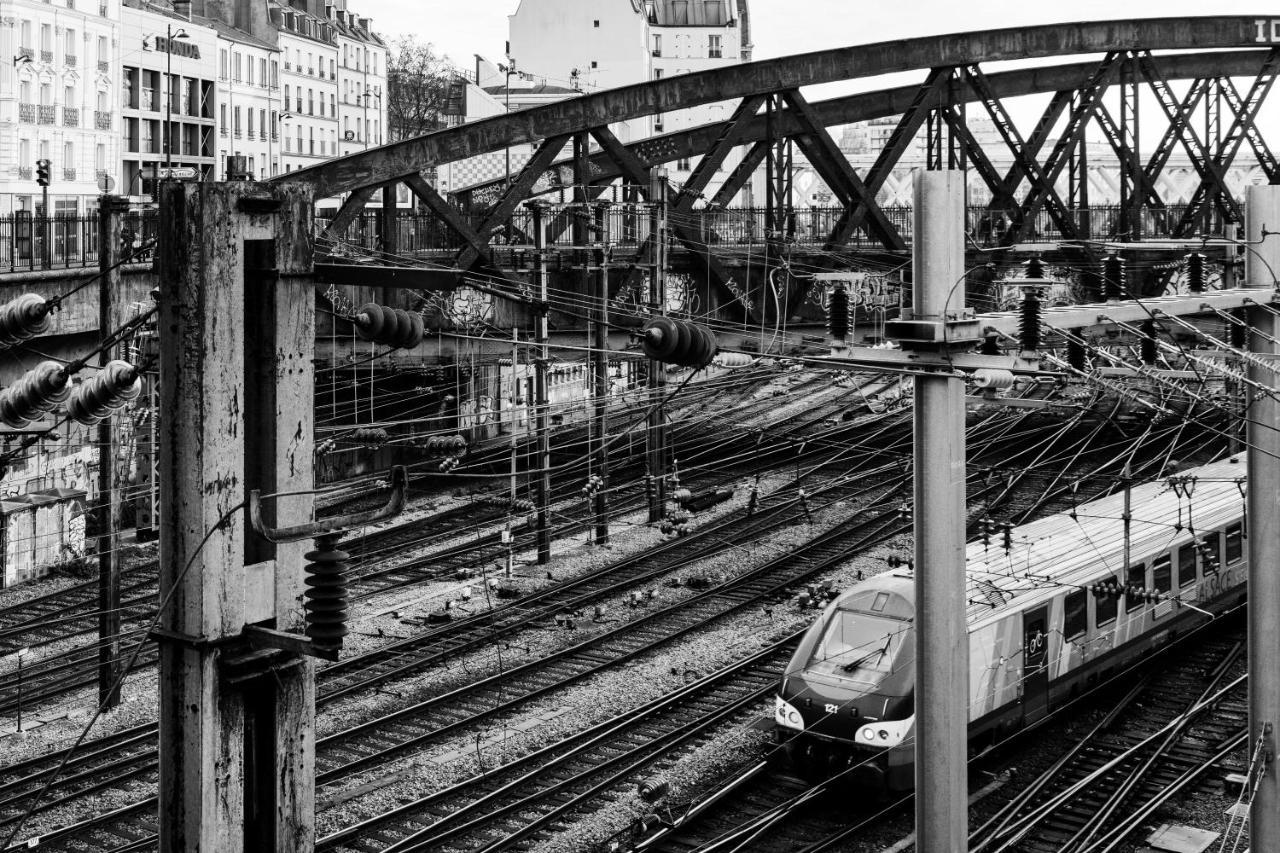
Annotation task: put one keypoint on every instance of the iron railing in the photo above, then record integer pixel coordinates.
(29, 242)
(733, 230)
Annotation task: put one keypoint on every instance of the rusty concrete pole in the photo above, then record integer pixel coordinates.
(541, 364)
(107, 518)
(1262, 263)
(237, 324)
(942, 649)
(600, 375)
(656, 434)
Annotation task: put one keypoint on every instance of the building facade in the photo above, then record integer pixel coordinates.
(95, 85)
(58, 99)
(167, 97)
(587, 45)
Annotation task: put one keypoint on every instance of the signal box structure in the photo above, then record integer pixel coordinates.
(237, 332)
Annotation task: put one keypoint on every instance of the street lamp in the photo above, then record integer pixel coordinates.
(509, 68)
(366, 96)
(171, 34)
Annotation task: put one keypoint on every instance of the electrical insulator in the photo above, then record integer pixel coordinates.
(455, 444)
(370, 435)
(652, 790)
(681, 342)
(1035, 268)
(838, 318)
(1238, 335)
(391, 327)
(326, 595)
(1029, 322)
(733, 359)
(23, 318)
(1195, 272)
(36, 393)
(95, 400)
(1075, 352)
(1113, 278)
(1091, 285)
(1147, 346)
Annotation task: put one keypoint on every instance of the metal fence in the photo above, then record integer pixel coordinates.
(29, 242)
(730, 229)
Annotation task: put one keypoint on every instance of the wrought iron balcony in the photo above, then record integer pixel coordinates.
(47, 114)
(27, 112)
(26, 172)
(68, 174)
(104, 66)
(102, 120)
(69, 60)
(70, 116)
(46, 56)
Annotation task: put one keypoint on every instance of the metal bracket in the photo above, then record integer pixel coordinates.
(269, 638)
(313, 529)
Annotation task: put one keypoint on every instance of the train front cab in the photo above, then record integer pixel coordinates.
(846, 701)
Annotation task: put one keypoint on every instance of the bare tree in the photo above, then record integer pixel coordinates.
(418, 88)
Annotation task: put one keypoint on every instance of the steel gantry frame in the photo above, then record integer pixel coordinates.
(772, 115)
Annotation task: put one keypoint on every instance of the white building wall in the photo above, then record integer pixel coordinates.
(604, 41)
(72, 74)
(246, 88)
(613, 43)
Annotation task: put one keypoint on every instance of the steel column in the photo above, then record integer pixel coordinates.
(1263, 438)
(942, 648)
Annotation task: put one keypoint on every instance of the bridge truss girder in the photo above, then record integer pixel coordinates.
(769, 122)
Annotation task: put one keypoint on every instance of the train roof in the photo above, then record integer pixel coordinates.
(1057, 551)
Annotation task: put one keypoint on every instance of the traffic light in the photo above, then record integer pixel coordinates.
(42, 171)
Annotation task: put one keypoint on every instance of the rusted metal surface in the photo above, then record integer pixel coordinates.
(898, 100)
(393, 162)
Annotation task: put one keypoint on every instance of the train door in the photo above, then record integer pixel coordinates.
(1035, 664)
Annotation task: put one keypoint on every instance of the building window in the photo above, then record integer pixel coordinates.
(222, 65)
(657, 44)
(596, 24)
(595, 64)
(657, 73)
(713, 46)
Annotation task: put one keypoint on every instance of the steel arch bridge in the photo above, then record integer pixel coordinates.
(1225, 67)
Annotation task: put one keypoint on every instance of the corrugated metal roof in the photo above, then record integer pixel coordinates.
(1058, 551)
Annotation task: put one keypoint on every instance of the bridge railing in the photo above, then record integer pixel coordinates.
(30, 243)
(736, 230)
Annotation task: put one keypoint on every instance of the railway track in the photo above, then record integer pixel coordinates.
(364, 758)
(72, 612)
(1162, 735)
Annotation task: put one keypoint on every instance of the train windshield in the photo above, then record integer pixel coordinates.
(859, 646)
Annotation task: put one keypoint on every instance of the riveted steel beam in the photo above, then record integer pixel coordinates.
(399, 159)
(515, 194)
(826, 156)
(451, 216)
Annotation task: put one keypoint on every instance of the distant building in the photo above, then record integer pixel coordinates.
(563, 48)
(58, 86)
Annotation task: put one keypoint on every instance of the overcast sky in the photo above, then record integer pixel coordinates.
(781, 27)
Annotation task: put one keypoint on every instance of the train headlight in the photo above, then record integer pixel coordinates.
(886, 733)
(785, 714)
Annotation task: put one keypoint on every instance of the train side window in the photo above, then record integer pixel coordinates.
(1075, 618)
(1162, 575)
(1104, 609)
(1135, 580)
(1210, 553)
(1235, 543)
(1187, 564)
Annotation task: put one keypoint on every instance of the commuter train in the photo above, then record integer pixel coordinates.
(1049, 616)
